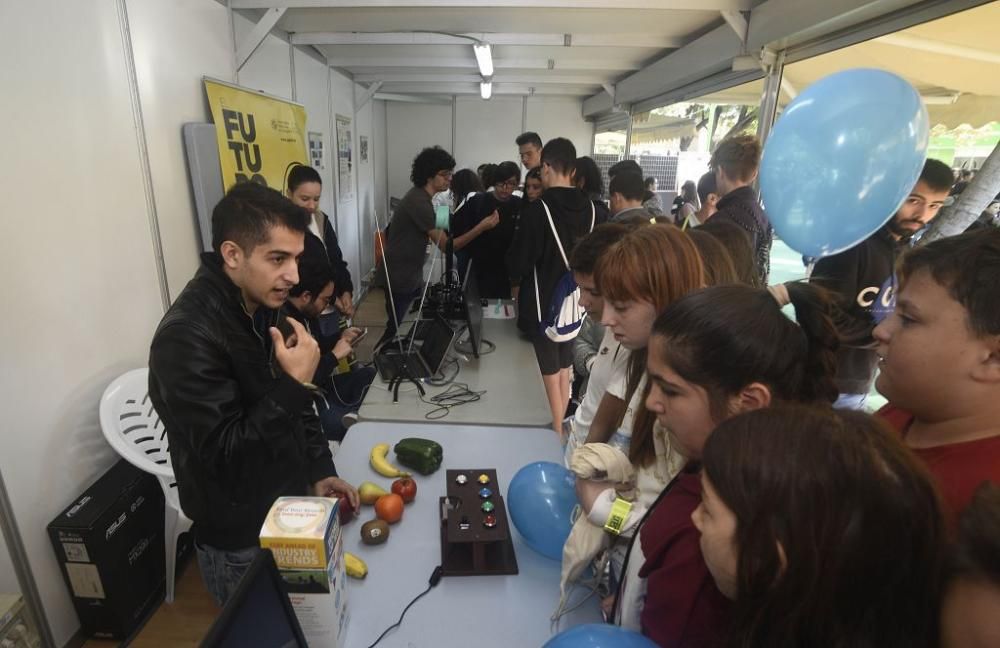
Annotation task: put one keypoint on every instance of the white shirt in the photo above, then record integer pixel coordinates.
(611, 359)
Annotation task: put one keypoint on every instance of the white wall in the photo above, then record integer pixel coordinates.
(79, 267)
(311, 91)
(552, 117)
(348, 228)
(8, 579)
(410, 128)
(364, 125)
(269, 67)
(380, 152)
(172, 93)
(485, 130)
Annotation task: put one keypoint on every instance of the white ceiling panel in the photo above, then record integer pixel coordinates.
(562, 47)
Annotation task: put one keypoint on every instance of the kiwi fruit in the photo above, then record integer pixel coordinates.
(374, 532)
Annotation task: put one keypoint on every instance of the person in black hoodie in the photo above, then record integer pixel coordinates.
(534, 251)
(863, 278)
(234, 394)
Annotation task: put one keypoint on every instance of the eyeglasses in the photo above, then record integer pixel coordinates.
(446, 174)
(510, 184)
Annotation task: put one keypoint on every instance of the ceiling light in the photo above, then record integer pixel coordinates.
(486, 89)
(484, 57)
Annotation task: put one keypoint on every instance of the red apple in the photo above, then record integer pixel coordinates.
(405, 488)
(345, 511)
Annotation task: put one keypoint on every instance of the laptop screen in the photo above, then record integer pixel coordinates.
(436, 343)
(258, 613)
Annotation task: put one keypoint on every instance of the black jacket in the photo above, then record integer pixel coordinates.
(535, 247)
(488, 251)
(863, 281)
(341, 273)
(242, 433)
(741, 206)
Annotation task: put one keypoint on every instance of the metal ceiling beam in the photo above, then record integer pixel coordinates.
(500, 38)
(674, 5)
(257, 36)
(710, 54)
(551, 79)
(738, 22)
(774, 23)
(405, 98)
(431, 63)
(366, 97)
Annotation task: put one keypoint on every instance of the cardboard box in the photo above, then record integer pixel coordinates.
(17, 625)
(109, 544)
(304, 535)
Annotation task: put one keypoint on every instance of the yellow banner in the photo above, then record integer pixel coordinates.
(258, 135)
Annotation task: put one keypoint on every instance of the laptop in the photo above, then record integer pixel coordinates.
(422, 361)
(258, 613)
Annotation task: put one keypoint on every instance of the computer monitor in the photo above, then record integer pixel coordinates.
(473, 311)
(258, 614)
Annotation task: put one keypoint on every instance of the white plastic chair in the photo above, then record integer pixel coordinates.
(134, 430)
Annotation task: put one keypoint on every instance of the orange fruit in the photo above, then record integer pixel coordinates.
(389, 508)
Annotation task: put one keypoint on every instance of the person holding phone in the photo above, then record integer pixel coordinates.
(235, 396)
(341, 392)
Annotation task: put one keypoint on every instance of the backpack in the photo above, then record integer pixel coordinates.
(563, 316)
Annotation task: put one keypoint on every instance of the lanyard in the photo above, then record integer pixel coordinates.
(635, 536)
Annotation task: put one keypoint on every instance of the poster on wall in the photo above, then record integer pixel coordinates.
(363, 146)
(316, 156)
(345, 159)
(258, 135)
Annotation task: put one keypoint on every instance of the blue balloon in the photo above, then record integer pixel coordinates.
(541, 497)
(842, 158)
(599, 635)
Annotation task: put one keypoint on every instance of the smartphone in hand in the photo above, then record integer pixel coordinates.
(287, 331)
(360, 337)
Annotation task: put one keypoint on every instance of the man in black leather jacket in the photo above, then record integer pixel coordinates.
(234, 394)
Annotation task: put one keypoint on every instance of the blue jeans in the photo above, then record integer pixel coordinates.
(344, 394)
(223, 569)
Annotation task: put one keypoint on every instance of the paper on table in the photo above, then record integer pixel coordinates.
(499, 310)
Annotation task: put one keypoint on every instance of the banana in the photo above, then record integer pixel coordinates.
(355, 567)
(381, 465)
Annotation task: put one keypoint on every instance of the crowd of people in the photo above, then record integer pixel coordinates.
(753, 502)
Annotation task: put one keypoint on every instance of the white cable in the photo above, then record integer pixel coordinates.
(385, 262)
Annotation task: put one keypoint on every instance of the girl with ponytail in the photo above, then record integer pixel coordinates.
(713, 354)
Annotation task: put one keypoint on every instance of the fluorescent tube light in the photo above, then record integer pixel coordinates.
(486, 89)
(484, 57)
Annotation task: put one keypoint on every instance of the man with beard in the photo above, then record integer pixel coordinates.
(864, 279)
